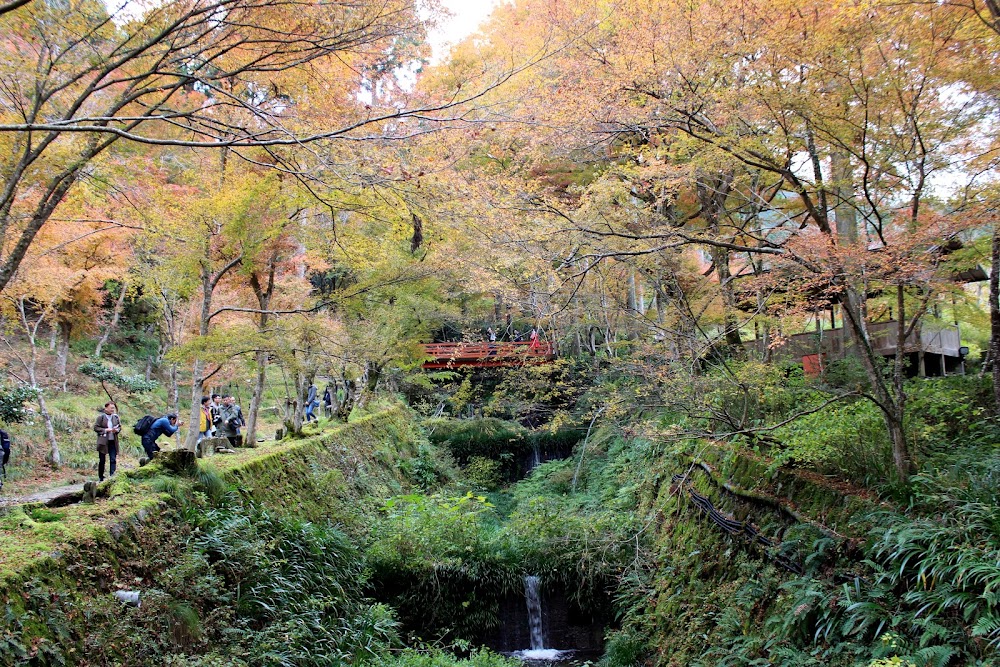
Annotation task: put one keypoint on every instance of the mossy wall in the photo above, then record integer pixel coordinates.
(52, 570)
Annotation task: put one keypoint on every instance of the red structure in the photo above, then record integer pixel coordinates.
(487, 355)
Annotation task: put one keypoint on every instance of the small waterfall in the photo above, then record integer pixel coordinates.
(534, 599)
(536, 457)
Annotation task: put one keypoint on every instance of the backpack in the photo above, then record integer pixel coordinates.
(143, 425)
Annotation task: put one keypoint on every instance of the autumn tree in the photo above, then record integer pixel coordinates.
(789, 134)
(233, 74)
(58, 284)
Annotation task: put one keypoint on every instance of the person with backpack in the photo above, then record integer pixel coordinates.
(166, 425)
(107, 427)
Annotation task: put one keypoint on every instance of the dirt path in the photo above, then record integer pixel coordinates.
(59, 493)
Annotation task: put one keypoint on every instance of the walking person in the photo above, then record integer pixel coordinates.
(328, 403)
(165, 425)
(108, 426)
(311, 404)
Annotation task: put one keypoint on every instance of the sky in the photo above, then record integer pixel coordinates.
(466, 17)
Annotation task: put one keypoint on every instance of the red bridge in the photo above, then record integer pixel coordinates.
(487, 355)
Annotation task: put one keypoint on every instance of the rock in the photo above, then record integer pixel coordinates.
(208, 446)
(279, 434)
(178, 460)
(130, 598)
(89, 492)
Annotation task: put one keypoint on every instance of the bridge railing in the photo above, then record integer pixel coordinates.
(499, 353)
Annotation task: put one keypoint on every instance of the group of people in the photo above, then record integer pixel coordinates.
(108, 427)
(220, 417)
(534, 339)
(311, 404)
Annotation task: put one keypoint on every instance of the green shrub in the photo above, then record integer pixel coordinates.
(625, 649)
(488, 437)
(847, 438)
(483, 473)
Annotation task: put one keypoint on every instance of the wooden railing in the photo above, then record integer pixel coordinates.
(836, 343)
(450, 355)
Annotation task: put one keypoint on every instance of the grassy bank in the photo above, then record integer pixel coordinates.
(58, 567)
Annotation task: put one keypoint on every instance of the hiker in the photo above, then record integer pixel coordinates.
(311, 404)
(229, 422)
(328, 402)
(204, 419)
(165, 425)
(535, 342)
(107, 426)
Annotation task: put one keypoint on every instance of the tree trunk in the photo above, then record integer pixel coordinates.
(713, 191)
(350, 397)
(175, 390)
(995, 315)
(730, 323)
(334, 401)
(892, 407)
(291, 408)
(53, 456)
(843, 191)
(263, 294)
(250, 440)
(901, 458)
(197, 371)
(209, 281)
(62, 351)
(295, 406)
(31, 330)
(116, 315)
(197, 391)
